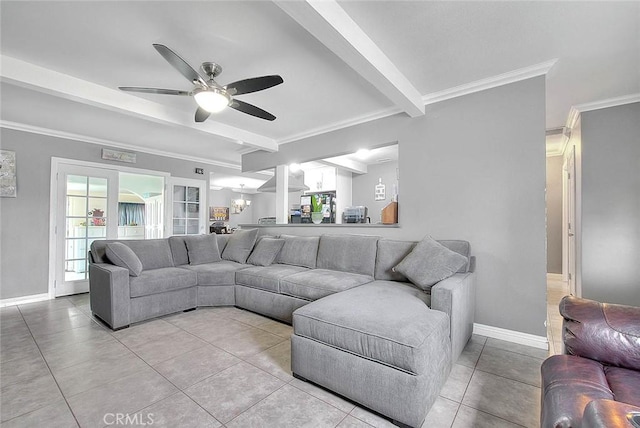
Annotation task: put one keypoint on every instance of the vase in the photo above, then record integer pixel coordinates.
(316, 218)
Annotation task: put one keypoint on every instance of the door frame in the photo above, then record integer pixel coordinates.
(204, 196)
(54, 257)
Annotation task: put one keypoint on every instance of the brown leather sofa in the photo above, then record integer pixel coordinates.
(597, 382)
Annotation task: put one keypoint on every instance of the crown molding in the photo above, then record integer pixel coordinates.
(490, 82)
(458, 91)
(574, 111)
(380, 114)
(102, 142)
(609, 102)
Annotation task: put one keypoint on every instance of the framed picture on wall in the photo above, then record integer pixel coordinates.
(8, 188)
(219, 213)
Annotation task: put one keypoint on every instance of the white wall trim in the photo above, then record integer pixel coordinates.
(491, 82)
(574, 111)
(527, 339)
(24, 300)
(102, 142)
(555, 276)
(609, 102)
(458, 91)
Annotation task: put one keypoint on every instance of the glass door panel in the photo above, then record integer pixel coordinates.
(86, 200)
(188, 214)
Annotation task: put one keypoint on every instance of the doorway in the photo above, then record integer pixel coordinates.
(91, 201)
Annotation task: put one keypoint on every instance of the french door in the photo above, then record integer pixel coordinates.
(188, 206)
(87, 210)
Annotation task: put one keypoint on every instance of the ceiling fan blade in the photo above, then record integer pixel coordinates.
(153, 90)
(201, 114)
(253, 85)
(251, 109)
(179, 64)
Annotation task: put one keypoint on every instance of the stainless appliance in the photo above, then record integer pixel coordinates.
(357, 214)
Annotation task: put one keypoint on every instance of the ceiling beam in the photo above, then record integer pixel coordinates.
(27, 75)
(346, 164)
(334, 28)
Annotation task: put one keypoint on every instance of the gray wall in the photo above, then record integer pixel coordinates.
(222, 198)
(363, 187)
(472, 168)
(611, 204)
(554, 214)
(24, 221)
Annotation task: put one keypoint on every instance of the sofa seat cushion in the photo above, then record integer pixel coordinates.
(565, 376)
(218, 273)
(381, 321)
(316, 283)
(267, 277)
(624, 384)
(160, 280)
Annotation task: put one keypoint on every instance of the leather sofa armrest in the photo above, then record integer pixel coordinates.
(608, 413)
(110, 294)
(603, 332)
(456, 296)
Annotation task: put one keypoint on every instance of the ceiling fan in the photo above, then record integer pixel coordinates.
(210, 96)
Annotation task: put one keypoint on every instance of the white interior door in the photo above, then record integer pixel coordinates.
(86, 210)
(188, 206)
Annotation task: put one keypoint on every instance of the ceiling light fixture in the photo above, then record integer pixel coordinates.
(212, 100)
(241, 204)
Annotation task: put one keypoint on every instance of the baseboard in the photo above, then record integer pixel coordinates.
(555, 276)
(532, 340)
(24, 299)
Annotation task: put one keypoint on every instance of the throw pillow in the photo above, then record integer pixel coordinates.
(266, 251)
(202, 249)
(240, 245)
(123, 256)
(429, 262)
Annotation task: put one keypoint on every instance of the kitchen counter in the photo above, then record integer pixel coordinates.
(308, 225)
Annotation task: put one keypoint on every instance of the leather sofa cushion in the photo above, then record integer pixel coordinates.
(624, 383)
(601, 331)
(352, 321)
(218, 273)
(317, 283)
(348, 253)
(266, 277)
(607, 413)
(160, 280)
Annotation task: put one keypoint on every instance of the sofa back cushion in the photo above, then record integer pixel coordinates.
(348, 253)
(179, 250)
(222, 241)
(240, 245)
(265, 251)
(299, 251)
(153, 253)
(391, 252)
(202, 249)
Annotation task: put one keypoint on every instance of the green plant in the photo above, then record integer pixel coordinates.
(316, 204)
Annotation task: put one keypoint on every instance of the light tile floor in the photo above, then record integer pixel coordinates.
(218, 367)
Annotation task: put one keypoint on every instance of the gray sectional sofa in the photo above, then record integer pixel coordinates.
(361, 329)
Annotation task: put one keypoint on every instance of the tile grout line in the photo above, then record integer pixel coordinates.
(50, 373)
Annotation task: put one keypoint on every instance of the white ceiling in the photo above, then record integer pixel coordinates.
(63, 61)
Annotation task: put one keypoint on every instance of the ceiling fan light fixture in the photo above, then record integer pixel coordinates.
(212, 100)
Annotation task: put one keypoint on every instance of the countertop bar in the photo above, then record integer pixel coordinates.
(307, 225)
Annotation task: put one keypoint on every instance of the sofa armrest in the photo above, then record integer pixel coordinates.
(109, 294)
(456, 296)
(603, 332)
